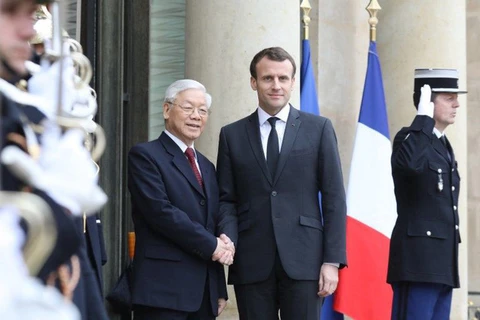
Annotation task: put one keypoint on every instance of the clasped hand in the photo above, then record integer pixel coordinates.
(225, 250)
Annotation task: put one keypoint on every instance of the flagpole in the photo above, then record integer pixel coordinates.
(373, 8)
(306, 7)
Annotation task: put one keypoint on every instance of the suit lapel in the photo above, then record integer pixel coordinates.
(253, 131)
(180, 161)
(208, 176)
(291, 130)
(205, 171)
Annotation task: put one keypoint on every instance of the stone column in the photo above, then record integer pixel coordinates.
(473, 112)
(426, 34)
(339, 37)
(221, 39)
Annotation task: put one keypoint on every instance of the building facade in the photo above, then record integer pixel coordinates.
(139, 47)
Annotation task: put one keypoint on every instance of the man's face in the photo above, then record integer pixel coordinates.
(16, 25)
(445, 110)
(274, 84)
(186, 125)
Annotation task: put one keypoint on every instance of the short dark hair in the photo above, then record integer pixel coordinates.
(416, 98)
(273, 53)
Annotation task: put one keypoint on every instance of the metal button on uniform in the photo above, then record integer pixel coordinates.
(439, 170)
(274, 193)
(202, 202)
(454, 207)
(456, 227)
(429, 233)
(453, 169)
(453, 188)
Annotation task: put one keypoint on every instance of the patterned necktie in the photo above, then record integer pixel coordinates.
(191, 159)
(272, 147)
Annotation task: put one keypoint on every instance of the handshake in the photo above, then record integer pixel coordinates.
(225, 250)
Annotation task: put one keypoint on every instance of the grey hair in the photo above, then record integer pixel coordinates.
(181, 85)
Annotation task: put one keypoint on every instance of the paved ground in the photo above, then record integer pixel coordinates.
(230, 312)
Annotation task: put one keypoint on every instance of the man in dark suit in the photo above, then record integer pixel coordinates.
(423, 262)
(271, 166)
(175, 212)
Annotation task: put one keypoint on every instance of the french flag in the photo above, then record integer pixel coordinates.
(363, 293)
(309, 103)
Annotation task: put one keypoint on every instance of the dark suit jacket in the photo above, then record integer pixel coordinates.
(424, 243)
(263, 215)
(87, 295)
(175, 226)
(96, 247)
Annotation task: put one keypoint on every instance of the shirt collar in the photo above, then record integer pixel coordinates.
(282, 115)
(438, 133)
(180, 143)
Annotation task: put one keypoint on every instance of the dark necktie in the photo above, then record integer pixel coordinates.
(444, 141)
(272, 147)
(191, 159)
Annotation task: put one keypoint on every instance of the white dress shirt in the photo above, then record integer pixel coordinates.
(184, 147)
(265, 126)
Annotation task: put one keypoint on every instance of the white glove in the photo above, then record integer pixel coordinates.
(13, 269)
(76, 103)
(21, 296)
(65, 170)
(425, 105)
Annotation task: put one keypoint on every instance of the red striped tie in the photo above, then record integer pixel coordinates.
(191, 158)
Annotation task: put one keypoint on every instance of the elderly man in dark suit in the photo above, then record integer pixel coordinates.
(271, 166)
(175, 209)
(423, 262)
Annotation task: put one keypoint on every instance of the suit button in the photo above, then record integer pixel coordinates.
(202, 202)
(453, 188)
(456, 227)
(274, 193)
(439, 170)
(453, 169)
(429, 233)
(454, 207)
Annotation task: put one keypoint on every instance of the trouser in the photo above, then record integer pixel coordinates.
(421, 301)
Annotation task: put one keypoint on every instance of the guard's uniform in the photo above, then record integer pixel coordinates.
(424, 242)
(68, 238)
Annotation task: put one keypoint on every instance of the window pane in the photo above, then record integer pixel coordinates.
(167, 56)
(72, 18)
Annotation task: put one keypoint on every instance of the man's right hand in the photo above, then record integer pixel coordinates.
(425, 105)
(225, 250)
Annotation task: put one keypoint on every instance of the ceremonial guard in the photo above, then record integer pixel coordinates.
(423, 262)
(39, 158)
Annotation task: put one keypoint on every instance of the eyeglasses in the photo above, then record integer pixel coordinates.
(188, 109)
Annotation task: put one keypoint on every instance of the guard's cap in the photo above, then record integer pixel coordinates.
(439, 80)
